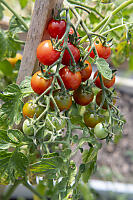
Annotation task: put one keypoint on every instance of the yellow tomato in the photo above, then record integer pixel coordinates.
(13, 61)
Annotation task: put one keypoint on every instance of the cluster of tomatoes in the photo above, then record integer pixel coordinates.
(75, 81)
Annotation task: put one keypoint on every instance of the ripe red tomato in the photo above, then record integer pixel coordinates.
(30, 109)
(82, 96)
(86, 72)
(72, 31)
(46, 53)
(91, 120)
(75, 52)
(99, 100)
(107, 83)
(103, 51)
(57, 27)
(63, 102)
(40, 84)
(71, 80)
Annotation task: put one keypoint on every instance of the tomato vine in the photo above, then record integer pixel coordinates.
(37, 135)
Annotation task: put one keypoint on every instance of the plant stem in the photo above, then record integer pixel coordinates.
(86, 6)
(112, 29)
(10, 190)
(32, 189)
(13, 11)
(123, 5)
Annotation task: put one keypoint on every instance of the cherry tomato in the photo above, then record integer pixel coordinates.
(99, 131)
(40, 84)
(46, 53)
(107, 83)
(63, 102)
(103, 51)
(28, 127)
(91, 120)
(71, 80)
(99, 100)
(14, 60)
(82, 96)
(57, 28)
(72, 31)
(86, 72)
(67, 58)
(30, 109)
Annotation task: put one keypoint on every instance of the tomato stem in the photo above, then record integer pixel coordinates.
(16, 15)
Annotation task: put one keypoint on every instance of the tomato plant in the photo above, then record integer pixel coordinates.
(107, 83)
(30, 109)
(14, 60)
(83, 96)
(71, 80)
(39, 84)
(37, 137)
(46, 53)
(56, 28)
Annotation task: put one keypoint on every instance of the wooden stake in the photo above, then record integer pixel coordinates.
(41, 15)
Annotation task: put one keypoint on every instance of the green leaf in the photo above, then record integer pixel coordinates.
(1, 11)
(8, 47)
(6, 67)
(25, 86)
(15, 135)
(23, 3)
(17, 165)
(12, 108)
(49, 166)
(12, 165)
(103, 68)
(62, 185)
(15, 26)
(89, 169)
(4, 140)
(2, 44)
(89, 156)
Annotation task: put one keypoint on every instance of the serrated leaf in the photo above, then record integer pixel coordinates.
(25, 85)
(49, 166)
(12, 165)
(89, 168)
(61, 186)
(12, 106)
(23, 3)
(4, 140)
(6, 68)
(17, 165)
(103, 68)
(15, 135)
(8, 47)
(15, 26)
(89, 156)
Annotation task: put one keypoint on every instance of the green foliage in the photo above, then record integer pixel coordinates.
(1, 11)
(103, 68)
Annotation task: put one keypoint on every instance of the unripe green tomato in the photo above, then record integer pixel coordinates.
(27, 127)
(99, 131)
(57, 123)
